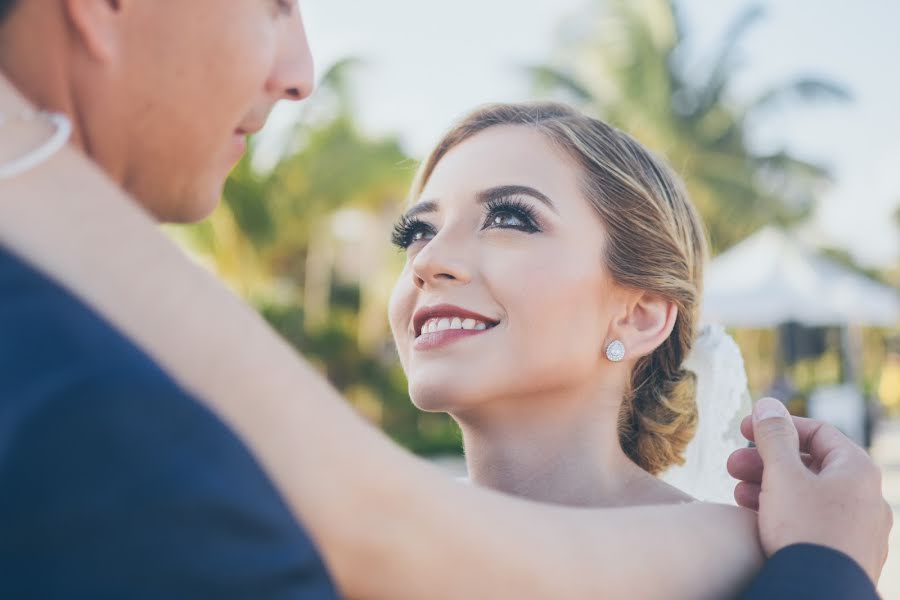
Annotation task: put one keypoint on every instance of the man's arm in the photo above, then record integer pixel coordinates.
(810, 572)
(132, 490)
(389, 525)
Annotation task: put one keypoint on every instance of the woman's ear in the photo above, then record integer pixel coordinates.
(647, 323)
(97, 24)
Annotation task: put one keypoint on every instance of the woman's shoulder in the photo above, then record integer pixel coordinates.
(649, 490)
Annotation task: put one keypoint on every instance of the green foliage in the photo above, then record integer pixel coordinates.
(628, 64)
(274, 239)
(266, 241)
(367, 376)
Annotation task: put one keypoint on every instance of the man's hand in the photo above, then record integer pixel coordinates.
(817, 487)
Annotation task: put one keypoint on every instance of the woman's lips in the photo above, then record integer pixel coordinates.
(439, 339)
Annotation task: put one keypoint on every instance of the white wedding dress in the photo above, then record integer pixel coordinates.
(723, 399)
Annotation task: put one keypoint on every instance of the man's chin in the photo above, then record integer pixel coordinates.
(185, 208)
(200, 209)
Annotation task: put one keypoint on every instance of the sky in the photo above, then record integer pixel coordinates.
(429, 62)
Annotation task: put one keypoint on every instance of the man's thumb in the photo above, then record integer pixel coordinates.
(775, 436)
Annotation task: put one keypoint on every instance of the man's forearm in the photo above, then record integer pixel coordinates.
(388, 524)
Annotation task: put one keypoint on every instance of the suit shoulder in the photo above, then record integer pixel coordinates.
(52, 341)
(113, 487)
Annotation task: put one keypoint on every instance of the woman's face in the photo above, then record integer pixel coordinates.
(503, 244)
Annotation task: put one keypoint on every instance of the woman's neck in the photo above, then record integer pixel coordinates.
(561, 449)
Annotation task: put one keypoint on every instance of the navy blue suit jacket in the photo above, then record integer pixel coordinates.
(808, 572)
(114, 482)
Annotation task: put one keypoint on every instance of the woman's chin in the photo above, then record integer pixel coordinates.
(432, 398)
(431, 403)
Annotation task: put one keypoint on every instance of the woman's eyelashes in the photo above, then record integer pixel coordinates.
(501, 213)
(408, 231)
(511, 213)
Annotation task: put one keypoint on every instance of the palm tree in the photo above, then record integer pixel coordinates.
(269, 221)
(277, 240)
(627, 63)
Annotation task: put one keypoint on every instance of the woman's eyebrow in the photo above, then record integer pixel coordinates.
(484, 196)
(419, 208)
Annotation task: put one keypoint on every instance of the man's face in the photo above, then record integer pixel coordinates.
(168, 112)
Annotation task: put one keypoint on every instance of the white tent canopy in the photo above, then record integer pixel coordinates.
(771, 278)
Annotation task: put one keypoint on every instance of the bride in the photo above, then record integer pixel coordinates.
(548, 303)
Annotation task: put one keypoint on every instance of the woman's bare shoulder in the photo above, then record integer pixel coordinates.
(649, 490)
(726, 520)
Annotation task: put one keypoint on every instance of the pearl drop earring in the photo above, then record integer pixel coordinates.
(615, 352)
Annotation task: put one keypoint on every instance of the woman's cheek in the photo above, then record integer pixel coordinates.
(400, 308)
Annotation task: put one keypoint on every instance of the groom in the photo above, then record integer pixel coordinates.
(114, 482)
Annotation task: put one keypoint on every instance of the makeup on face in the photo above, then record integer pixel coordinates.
(505, 206)
(438, 325)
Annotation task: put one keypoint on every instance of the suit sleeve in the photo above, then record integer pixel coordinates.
(807, 571)
(108, 491)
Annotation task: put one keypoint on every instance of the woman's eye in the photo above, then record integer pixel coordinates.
(417, 236)
(409, 231)
(501, 214)
(511, 214)
(507, 219)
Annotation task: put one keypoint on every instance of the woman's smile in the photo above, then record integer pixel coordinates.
(447, 334)
(438, 325)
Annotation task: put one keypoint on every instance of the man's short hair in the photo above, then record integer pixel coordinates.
(5, 7)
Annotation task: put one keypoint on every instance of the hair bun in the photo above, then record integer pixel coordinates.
(659, 418)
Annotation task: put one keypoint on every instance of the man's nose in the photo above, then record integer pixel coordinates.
(293, 77)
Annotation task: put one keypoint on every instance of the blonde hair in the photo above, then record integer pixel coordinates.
(656, 243)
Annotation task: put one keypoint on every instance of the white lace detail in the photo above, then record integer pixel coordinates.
(722, 400)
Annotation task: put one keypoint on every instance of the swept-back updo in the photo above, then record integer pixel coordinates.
(656, 243)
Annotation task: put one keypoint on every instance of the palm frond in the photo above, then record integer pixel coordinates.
(806, 89)
(787, 163)
(723, 67)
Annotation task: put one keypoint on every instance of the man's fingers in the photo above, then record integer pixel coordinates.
(776, 438)
(815, 437)
(747, 495)
(809, 462)
(805, 428)
(827, 445)
(746, 464)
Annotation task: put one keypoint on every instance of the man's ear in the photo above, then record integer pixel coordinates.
(647, 323)
(97, 23)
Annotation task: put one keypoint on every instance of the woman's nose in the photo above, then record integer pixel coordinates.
(441, 261)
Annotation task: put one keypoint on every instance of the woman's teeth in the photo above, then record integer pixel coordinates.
(433, 325)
